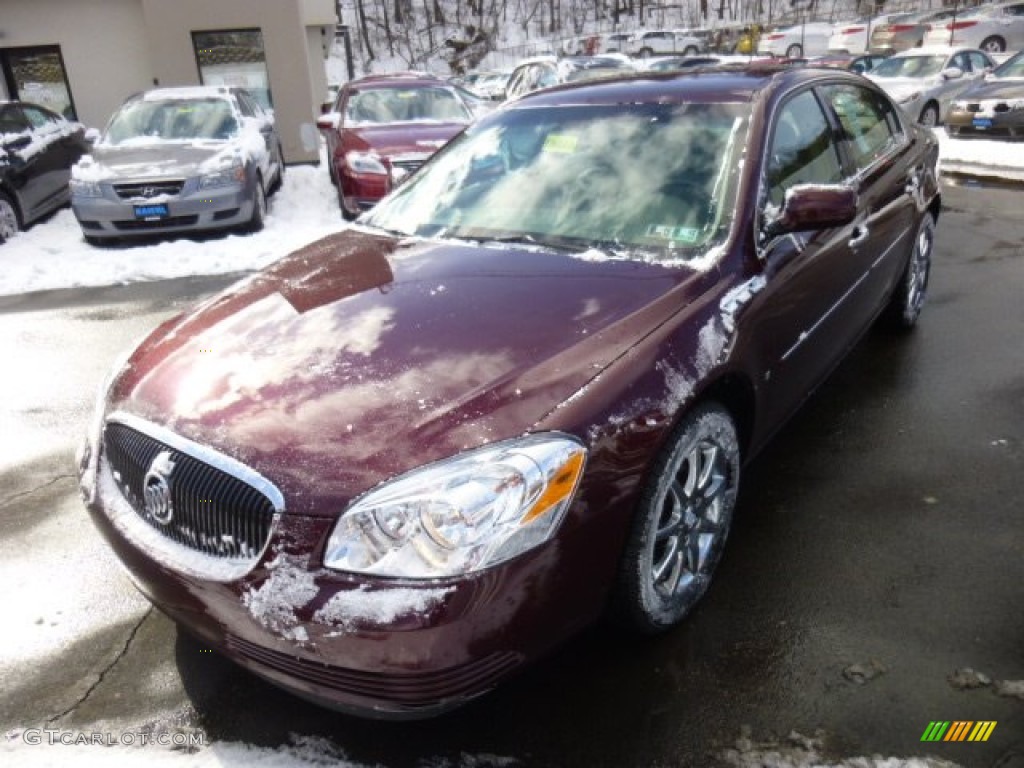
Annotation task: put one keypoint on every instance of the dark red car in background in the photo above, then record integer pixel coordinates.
(518, 393)
(384, 127)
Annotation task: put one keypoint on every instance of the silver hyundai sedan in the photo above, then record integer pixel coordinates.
(176, 160)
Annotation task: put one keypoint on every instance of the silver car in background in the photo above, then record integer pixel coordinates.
(177, 160)
(924, 81)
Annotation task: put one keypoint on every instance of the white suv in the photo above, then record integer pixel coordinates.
(663, 41)
(992, 28)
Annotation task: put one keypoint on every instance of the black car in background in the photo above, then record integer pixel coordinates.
(37, 149)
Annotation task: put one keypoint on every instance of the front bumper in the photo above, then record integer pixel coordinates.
(1005, 126)
(401, 650)
(191, 210)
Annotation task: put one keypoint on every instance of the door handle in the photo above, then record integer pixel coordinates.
(860, 234)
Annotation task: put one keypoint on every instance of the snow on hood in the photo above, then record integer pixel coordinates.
(153, 158)
(360, 357)
(900, 88)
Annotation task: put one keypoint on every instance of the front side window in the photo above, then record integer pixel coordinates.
(803, 150)
(657, 179)
(868, 129)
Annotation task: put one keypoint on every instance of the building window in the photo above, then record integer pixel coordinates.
(234, 57)
(37, 75)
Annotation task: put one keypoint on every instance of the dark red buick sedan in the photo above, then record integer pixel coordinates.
(403, 462)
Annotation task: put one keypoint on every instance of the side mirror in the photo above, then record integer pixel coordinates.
(329, 121)
(813, 206)
(952, 73)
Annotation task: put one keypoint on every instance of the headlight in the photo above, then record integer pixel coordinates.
(229, 177)
(1015, 105)
(462, 514)
(86, 188)
(365, 162)
(910, 97)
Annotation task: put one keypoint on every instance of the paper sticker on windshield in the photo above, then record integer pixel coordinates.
(560, 142)
(688, 235)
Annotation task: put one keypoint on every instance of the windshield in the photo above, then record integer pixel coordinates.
(403, 105)
(172, 120)
(1013, 67)
(910, 66)
(654, 177)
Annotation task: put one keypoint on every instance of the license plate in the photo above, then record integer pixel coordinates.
(150, 212)
(982, 122)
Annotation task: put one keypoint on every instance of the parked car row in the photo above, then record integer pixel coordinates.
(170, 161)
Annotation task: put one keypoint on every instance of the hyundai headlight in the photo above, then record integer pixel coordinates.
(81, 188)
(365, 162)
(1015, 105)
(229, 177)
(462, 514)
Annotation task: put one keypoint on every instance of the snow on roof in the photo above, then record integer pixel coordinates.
(186, 92)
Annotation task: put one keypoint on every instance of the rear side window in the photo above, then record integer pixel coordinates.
(870, 128)
(802, 149)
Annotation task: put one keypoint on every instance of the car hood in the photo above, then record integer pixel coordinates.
(402, 138)
(157, 160)
(901, 88)
(361, 357)
(995, 89)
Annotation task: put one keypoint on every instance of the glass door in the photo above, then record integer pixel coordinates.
(37, 75)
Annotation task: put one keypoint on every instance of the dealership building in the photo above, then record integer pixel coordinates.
(82, 58)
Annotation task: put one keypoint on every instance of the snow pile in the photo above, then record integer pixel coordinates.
(979, 157)
(291, 585)
(798, 751)
(379, 607)
(53, 255)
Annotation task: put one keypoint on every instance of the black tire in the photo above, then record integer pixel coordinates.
(10, 217)
(993, 44)
(681, 523)
(259, 207)
(929, 115)
(795, 51)
(690, 51)
(908, 299)
(646, 53)
(279, 179)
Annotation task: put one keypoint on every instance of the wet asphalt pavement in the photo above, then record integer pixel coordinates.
(878, 547)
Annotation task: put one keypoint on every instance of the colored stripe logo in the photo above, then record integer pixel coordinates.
(958, 730)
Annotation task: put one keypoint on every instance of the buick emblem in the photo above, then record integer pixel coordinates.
(156, 488)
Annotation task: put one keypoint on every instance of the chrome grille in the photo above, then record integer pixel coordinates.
(212, 511)
(148, 189)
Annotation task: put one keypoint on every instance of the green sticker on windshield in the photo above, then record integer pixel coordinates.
(560, 142)
(688, 235)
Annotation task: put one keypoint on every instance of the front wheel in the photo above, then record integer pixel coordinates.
(795, 51)
(259, 207)
(681, 523)
(690, 51)
(993, 44)
(10, 224)
(929, 115)
(908, 299)
(646, 53)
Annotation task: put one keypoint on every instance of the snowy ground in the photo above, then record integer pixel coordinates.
(53, 255)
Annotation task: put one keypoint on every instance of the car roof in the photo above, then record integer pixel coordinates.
(933, 50)
(730, 83)
(187, 92)
(397, 80)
